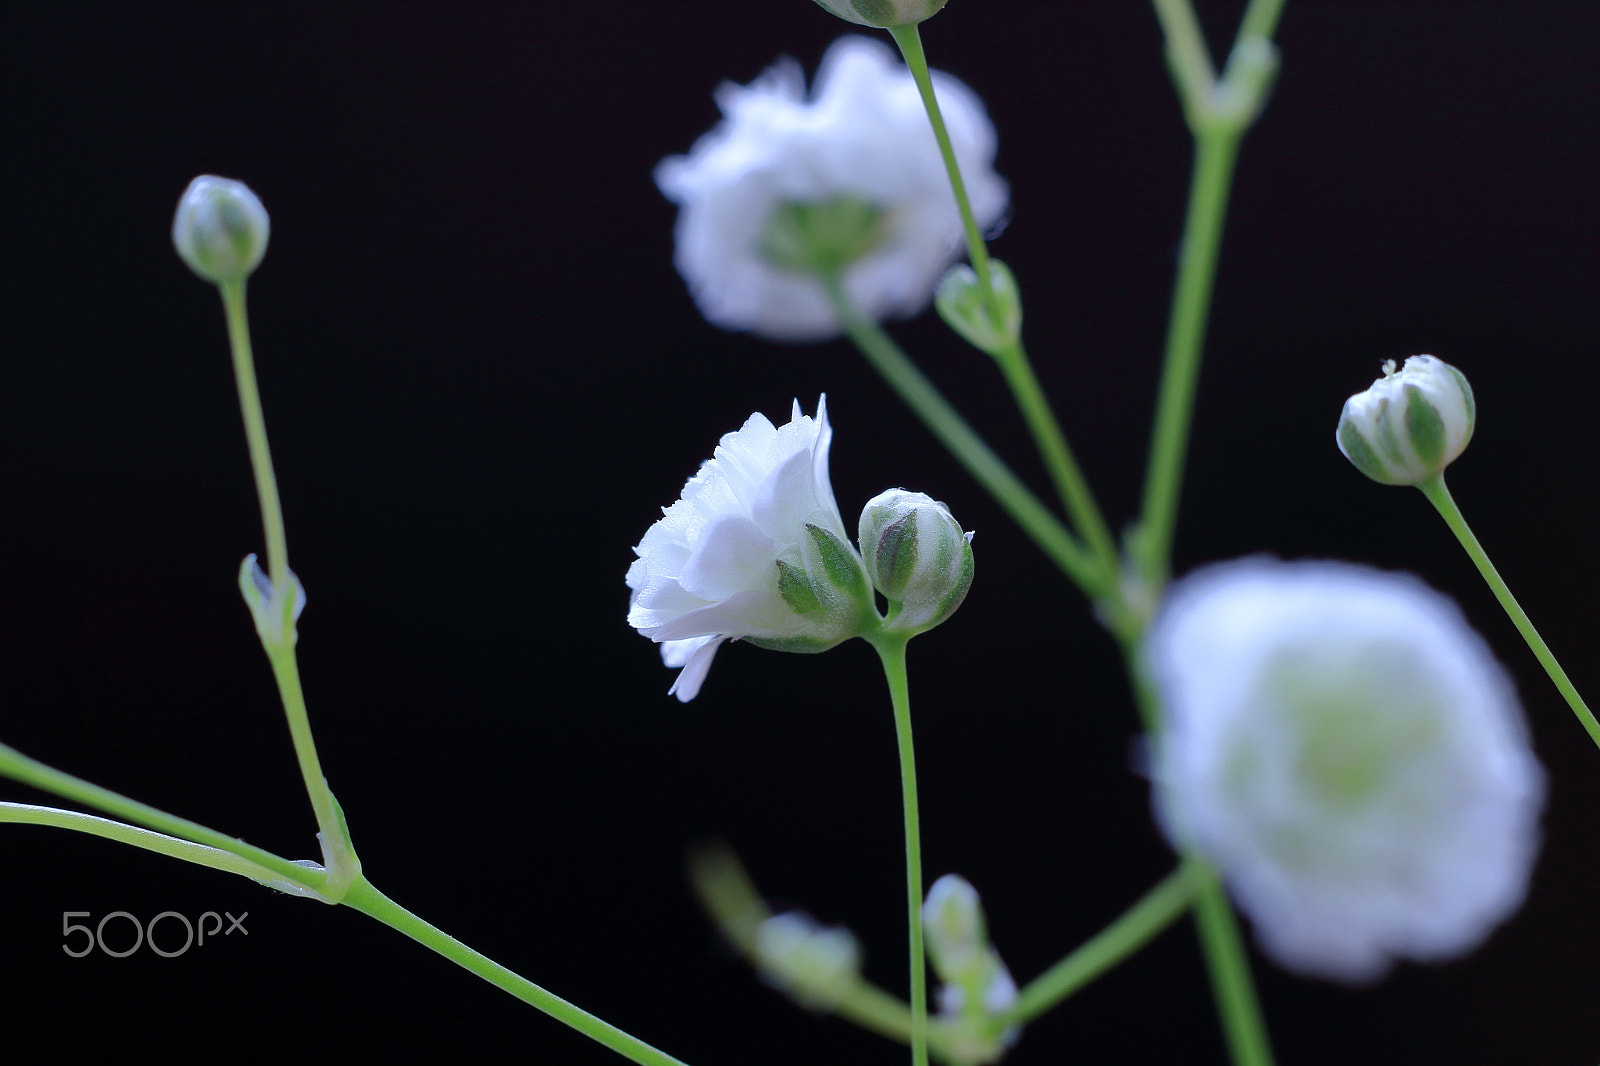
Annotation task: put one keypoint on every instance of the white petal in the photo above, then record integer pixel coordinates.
(695, 666)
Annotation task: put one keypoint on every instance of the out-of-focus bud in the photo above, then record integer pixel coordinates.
(883, 13)
(917, 556)
(1411, 424)
(220, 229)
(962, 304)
(953, 920)
(815, 965)
(269, 616)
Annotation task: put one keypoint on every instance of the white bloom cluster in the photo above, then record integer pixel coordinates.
(754, 549)
(1349, 754)
(862, 139)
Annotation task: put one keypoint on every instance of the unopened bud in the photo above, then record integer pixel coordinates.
(964, 306)
(220, 229)
(883, 13)
(817, 966)
(916, 555)
(1411, 424)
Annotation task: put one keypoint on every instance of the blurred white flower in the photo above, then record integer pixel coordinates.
(854, 174)
(1349, 754)
(755, 550)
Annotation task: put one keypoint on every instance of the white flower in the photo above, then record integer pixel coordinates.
(1409, 425)
(754, 549)
(861, 141)
(1348, 753)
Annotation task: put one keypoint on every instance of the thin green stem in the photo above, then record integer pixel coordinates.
(1070, 483)
(362, 896)
(255, 432)
(279, 640)
(160, 843)
(1014, 364)
(1191, 302)
(909, 40)
(1445, 504)
(892, 651)
(1231, 983)
(1137, 926)
(969, 449)
(20, 767)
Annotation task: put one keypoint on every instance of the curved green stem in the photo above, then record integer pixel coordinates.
(892, 651)
(1137, 926)
(1070, 483)
(969, 449)
(279, 640)
(909, 40)
(19, 767)
(362, 896)
(1445, 504)
(160, 843)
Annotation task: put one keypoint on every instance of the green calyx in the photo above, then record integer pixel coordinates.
(822, 239)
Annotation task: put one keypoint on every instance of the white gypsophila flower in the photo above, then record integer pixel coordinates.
(754, 549)
(862, 138)
(1349, 754)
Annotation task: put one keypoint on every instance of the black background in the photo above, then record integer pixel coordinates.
(482, 377)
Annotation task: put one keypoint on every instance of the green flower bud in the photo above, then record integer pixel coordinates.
(883, 13)
(220, 229)
(817, 966)
(953, 919)
(1410, 425)
(917, 556)
(964, 307)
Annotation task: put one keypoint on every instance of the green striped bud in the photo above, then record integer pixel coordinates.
(883, 13)
(1411, 424)
(220, 229)
(818, 966)
(917, 556)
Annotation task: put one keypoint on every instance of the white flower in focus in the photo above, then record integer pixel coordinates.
(1349, 754)
(857, 169)
(754, 550)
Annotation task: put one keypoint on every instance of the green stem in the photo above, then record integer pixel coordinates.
(19, 767)
(369, 901)
(1070, 483)
(909, 40)
(1137, 926)
(337, 849)
(1231, 982)
(892, 651)
(1041, 421)
(160, 843)
(1445, 504)
(1216, 151)
(969, 449)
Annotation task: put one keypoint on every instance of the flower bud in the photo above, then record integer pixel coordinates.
(1409, 425)
(220, 229)
(962, 304)
(817, 966)
(917, 556)
(883, 13)
(953, 920)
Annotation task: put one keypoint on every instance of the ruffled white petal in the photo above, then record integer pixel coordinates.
(708, 570)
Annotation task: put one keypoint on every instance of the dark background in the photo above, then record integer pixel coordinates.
(482, 377)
